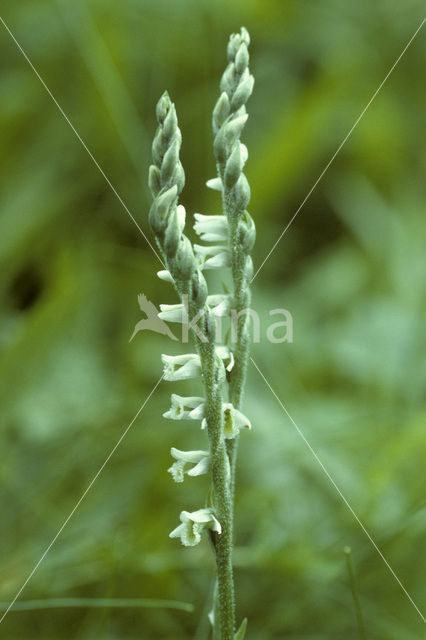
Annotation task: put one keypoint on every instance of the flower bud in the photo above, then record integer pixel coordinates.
(171, 158)
(219, 145)
(221, 111)
(241, 193)
(172, 235)
(248, 269)
(233, 167)
(158, 147)
(241, 58)
(199, 289)
(228, 81)
(242, 93)
(244, 153)
(209, 325)
(245, 36)
(163, 105)
(233, 46)
(178, 177)
(165, 200)
(157, 224)
(246, 233)
(154, 181)
(185, 261)
(170, 123)
(232, 129)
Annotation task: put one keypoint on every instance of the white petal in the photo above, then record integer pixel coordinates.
(197, 413)
(176, 533)
(165, 275)
(213, 257)
(241, 420)
(171, 312)
(219, 304)
(185, 408)
(218, 261)
(181, 215)
(225, 354)
(211, 228)
(234, 421)
(215, 184)
(200, 468)
(181, 367)
(177, 470)
(213, 237)
(188, 456)
(216, 525)
(201, 516)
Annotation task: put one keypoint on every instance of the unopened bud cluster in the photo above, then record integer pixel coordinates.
(229, 119)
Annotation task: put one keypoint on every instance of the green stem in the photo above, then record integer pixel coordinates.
(241, 303)
(223, 499)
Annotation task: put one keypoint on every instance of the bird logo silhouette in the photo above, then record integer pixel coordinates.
(152, 322)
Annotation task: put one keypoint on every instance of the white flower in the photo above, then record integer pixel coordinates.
(185, 408)
(220, 304)
(181, 367)
(215, 184)
(172, 312)
(226, 355)
(211, 228)
(193, 525)
(234, 420)
(200, 459)
(213, 257)
(165, 275)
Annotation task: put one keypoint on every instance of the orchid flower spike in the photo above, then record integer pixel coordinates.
(185, 408)
(193, 524)
(200, 460)
(181, 367)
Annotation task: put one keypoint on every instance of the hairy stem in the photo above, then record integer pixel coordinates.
(220, 466)
(241, 295)
(223, 500)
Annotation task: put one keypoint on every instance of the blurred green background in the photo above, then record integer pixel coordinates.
(351, 269)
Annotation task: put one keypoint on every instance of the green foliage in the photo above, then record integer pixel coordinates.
(351, 270)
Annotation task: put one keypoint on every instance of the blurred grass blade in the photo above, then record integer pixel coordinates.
(355, 593)
(98, 603)
(241, 633)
